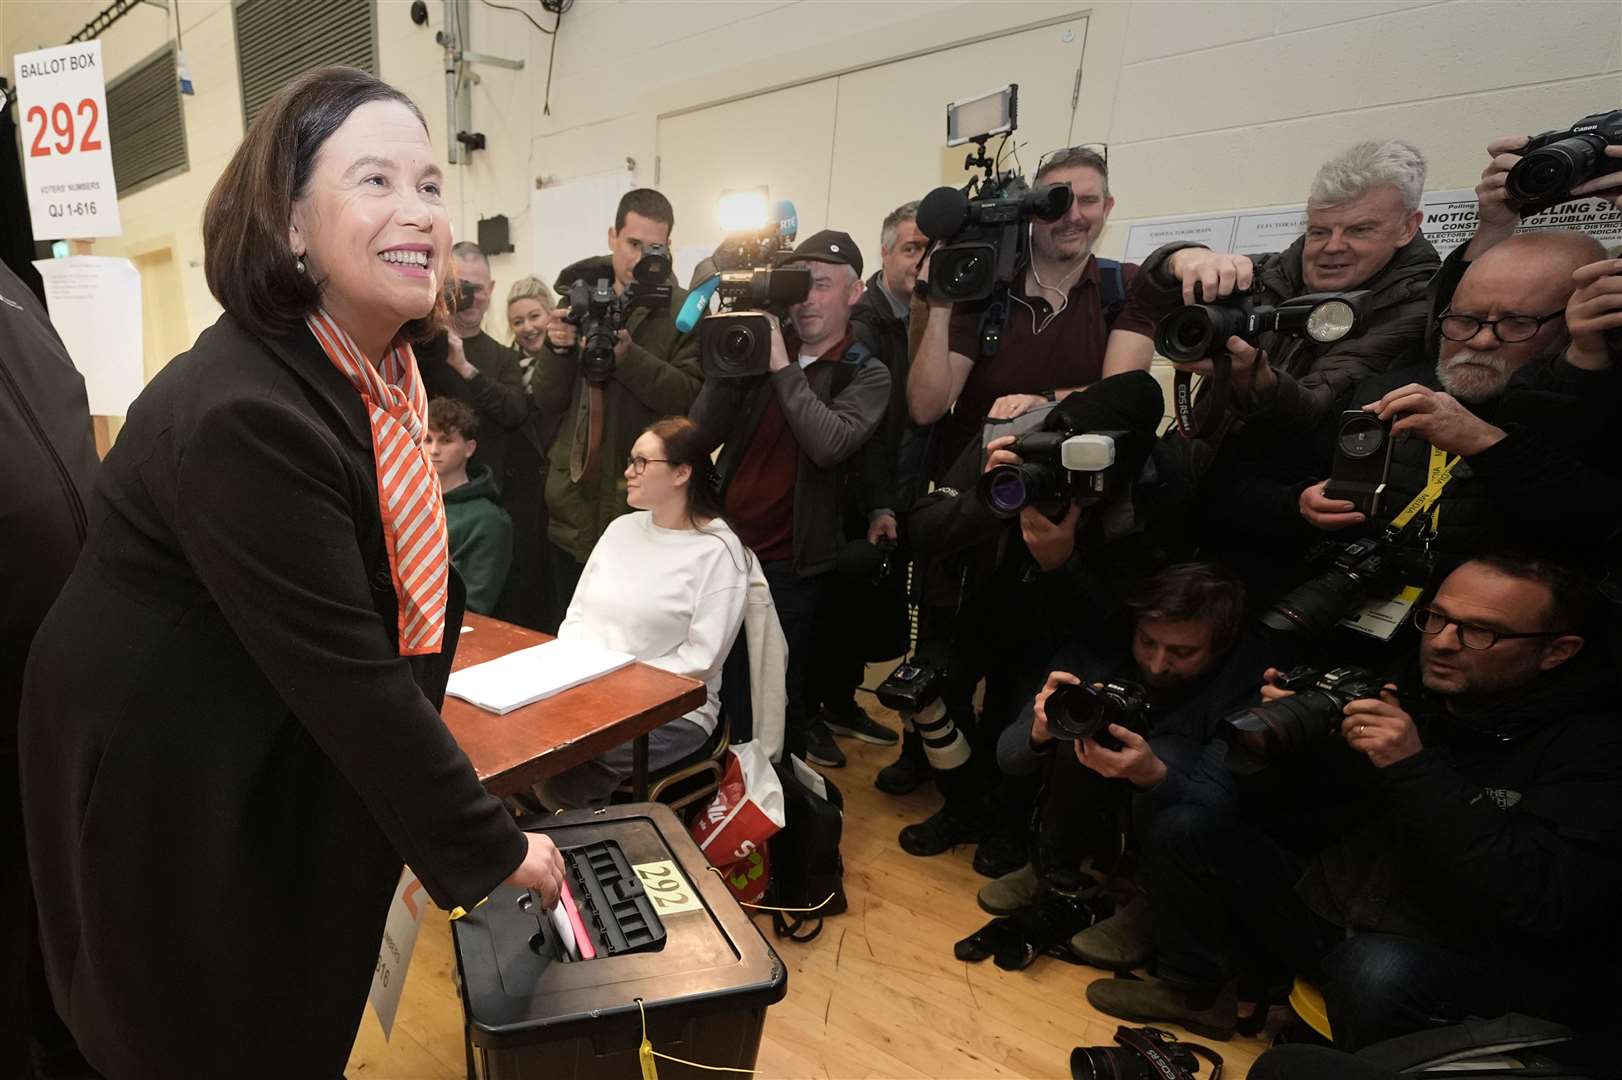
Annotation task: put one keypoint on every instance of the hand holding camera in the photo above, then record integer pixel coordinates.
(1330, 515)
(1436, 417)
(1134, 762)
(1380, 729)
(562, 334)
(779, 351)
(1051, 543)
(1041, 731)
(1594, 314)
(1211, 274)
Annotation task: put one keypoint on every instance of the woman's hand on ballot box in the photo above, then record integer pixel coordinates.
(541, 870)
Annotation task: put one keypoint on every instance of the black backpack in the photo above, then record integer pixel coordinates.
(806, 870)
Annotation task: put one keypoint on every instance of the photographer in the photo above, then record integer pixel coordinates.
(1506, 322)
(783, 440)
(1189, 663)
(1070, 322)
(1362, 233)
(1013, 591)
(1481, 874)
(655, 374)
(469, 365)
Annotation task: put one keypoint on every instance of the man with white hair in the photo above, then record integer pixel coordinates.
(1362, 233)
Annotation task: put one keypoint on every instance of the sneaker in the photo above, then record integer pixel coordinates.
(1012, 891)
(904, 775)
(941, 831)
(820, 748)
(1121, 942)
(1000, 854)
(853, 722)
(1160, 1003)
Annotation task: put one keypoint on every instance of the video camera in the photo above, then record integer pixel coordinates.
(1201, 332)
(982, 226)
(600, 315)
(1059, 464)
(1556, 161)
(1077, 712)
(1313, 711)
(736, 341)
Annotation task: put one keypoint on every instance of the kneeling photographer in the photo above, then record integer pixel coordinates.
(612, 365)
(1104, 725)
(1024, 549)
(1479, 873)
(1441, 462)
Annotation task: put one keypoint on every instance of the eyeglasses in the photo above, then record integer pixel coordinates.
(639, 465)
(1097, 148)
(1430, 622)
(1509, 329)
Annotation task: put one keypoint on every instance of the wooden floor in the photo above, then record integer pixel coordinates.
(878, 994)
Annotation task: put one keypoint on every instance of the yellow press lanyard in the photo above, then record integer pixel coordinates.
(1437, 477)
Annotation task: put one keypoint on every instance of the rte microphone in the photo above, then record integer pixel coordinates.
(788, 222)
(697, 303)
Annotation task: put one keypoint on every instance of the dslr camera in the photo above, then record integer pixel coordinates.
(1312, 712)
(912, 687)
(981, 227)
(1556, 161)
(459, 294)
(1059, 464)
(600, 315)
(1086, 712)
(1349, 574)
(1201, 332)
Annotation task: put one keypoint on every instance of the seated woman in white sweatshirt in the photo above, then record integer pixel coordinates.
(667, 584)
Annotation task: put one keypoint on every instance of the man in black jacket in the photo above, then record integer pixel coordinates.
(1480, 876)
(50, 459)
(1017, 589)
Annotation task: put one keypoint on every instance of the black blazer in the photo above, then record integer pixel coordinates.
(224, 757)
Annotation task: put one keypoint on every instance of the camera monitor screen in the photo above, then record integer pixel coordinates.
(977, 117)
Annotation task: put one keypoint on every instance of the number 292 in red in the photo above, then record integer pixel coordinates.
(64, 128)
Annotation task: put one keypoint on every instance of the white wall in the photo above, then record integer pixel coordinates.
(1206, 105)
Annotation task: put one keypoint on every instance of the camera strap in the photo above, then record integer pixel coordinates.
(1151, 1044)
(1183, 399)
(1437, 476)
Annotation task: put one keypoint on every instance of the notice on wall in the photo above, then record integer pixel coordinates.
(1450, 220)
(95, 305)
(406, 912)
(67, 155)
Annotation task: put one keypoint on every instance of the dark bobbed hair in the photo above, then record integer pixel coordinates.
(247, 260)
(685, 445)
(1193, 591)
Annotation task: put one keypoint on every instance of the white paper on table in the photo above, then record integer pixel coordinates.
(406, 911)
(529, 675)
(95, 305)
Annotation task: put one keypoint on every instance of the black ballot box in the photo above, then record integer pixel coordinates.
(665, 930)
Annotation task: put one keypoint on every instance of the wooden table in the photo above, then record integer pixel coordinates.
(511, 752)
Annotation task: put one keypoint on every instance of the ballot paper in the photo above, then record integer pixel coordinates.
(529, 675)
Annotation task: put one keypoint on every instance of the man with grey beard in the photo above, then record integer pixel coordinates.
(1504, 324)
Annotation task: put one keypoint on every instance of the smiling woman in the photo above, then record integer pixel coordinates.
(230, 735)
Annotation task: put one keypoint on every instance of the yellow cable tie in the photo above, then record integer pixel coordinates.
(716, 870)
(646, 1053)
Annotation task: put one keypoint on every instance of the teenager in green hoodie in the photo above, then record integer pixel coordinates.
(481, 533)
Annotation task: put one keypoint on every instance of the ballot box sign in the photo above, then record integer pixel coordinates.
(67, 154)
(406, 913)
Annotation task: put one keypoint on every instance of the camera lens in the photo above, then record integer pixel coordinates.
(1289, 723)
(1361, 436)
(1187, 333)
(1004, 491)
(1550, 172)
(737, 345)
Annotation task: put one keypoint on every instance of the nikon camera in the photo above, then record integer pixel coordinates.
(1077, 712)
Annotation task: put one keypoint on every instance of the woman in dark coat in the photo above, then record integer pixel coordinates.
(230, 734)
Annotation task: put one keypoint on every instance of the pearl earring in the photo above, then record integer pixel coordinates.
(298, 262)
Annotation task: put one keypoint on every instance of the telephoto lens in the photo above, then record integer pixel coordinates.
(1312, 712)
(1556, 161)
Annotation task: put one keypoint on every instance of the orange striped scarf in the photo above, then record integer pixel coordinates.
(408, 493)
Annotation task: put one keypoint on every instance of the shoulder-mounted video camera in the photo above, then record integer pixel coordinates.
(600, 315)
(1556, 161)
(735, 341)
(982, 227)
(1201, 331)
